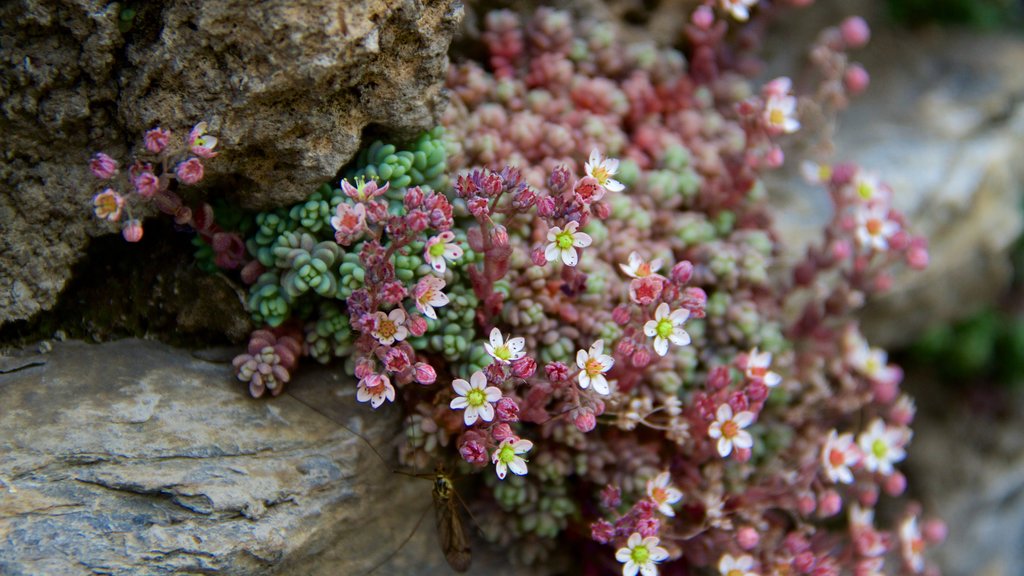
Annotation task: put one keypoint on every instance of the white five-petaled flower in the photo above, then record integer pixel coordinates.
(667, 328)
(780, 114)
(729, 565)
(602, 170)
(874, 228)
(563, 243)
(375, 389)
(507, 456)
(815, 173)
(729, 429)
(912, 544)
(740, 9)
(505, 351)
(593, 366)
(476, 397)
(639, 268)
(391, 326)
(757, 368)
(641, 555)
(440, 248)
(882, 446)
(837, 457)
(428, 294)
(663, 494)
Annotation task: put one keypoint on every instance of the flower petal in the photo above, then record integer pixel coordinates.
(743, 439)
(470, 416)
(518, 466)
(679, 337)
(496, 338)
(582, 240)
(600, 384)
(458, 403)
(461, 386)
(478, 380)
(651, 328)
(551, 253)
(486, 411)
(570, 257)
(661, 346)
(724, 446)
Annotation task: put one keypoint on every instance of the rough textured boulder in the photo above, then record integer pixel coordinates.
(287, 86)
(134, 457)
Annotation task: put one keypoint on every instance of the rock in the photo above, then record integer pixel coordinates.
(132, 456)
(943, 124)
(288, 87)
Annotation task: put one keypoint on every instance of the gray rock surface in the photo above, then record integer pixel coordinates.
(132, 457)
(287, 86)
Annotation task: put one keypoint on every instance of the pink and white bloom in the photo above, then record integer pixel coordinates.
(103, 166)
(874, 228)
(157, 139)
(729, 429)
(641, 555)
(391, 326)
(729, 565)
(882, 446)
(428, 295)
(475, 397)
(108, 204)
(363, 191)
(780, 114)
(602, 170)
(739, 9)
(593, 365)
(838, 456)
(912, 544)
(637, 267)
(375, 389)
(200, 143)
(508, 456)
(662, 493)
(505, 351)
(872, 362)
(815, 173)
(146, 183)
(190, 171)
(440, 248)
(757, 368)
(563, 243)
(349, 221)
(667, 327)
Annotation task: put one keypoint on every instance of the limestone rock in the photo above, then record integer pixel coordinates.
(288, 87)
(134, 457)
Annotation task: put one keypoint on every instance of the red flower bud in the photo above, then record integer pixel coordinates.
(425, 373)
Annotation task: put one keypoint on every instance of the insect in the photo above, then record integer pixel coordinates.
(451, 532)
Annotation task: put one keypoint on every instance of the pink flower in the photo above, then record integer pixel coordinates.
(363, 190)
(391, 326)
(108, 204)
(146, 183)
(428, 294)
(349, 222)
(156, 139)
(103, 167)
(200, 144)
(375, 388)
(132, 230)
(190, 171)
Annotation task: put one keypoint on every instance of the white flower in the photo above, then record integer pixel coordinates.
(593, 365)
(476, 397)
(815, 173)
(867, 186)
(391, 326)
(912, 544)
(563, 243)
(427, 294)
(602, 170)
(838, 455)
(441, 248)
(874, 228)
(732, 566)
(667, 327)
(505, 351)
(641, 555)
(740, 9)
(663, 494)
(638, 268)
(375, 389)
(757, 368)
(507, 456)
(780, 114)
(729, 429)
(882, 446)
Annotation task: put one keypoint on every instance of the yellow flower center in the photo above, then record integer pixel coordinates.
(600, 174)
(643, 270)
(386, 328)
(664, 328)
(563, 240)
(865, 190)
(735, 572)
(640, 555)
(730, 429)
(502, 352)
(776, 117)
(476, 397)
(659, 494)
(507, 454)
(437, 250)
(593, 367)
(879, 448)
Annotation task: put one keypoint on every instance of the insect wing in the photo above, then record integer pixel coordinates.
(450, 532)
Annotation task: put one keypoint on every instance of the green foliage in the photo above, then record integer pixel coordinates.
(989, 346)
(980, 13)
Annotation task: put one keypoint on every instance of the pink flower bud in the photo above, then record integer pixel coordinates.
(703, 17)
(747, 537)
(742, 454)
(917, 257)
(546, 207)
(611, 497)
(602, 531)
(868, 496)
(795, 543)
(102, 166)
(856, 79)
(855, 31)
(934, 531)
(413, 198)
(417, 325)
(806, 504)
(132, 230)
(804, 562)
(825, 568)
(601, 209)
(524, 367)
(425, 373)
(830, 503)
(556, 372)
(473, 452)
(479, 207)
(841, 250)
(895, 484)
(718, 378)
(190, 171)
(644, 509)
(648, 526)
(537, 257)
(183, 215)
(682, 272)
(524, 199)
(738, 402)
(621, 315)
(775, 157)
(364, 368)
(507, 410)
(156, 139)
(585, 422)
(146, 184)
(757, 391)
(842, 174)
(640, 358)
(495, 373)
(501, 431)
(587, 190)
(882, 283)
